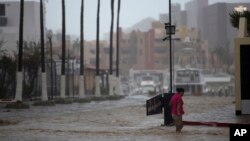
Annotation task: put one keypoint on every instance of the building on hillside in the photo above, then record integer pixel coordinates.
(148, 51)
(144, 50)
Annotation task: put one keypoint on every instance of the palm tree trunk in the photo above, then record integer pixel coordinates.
(81, 80)
(44, 81)
(63, 51)
(97, 79)
(19, 85)
(111, 84)
(118, 38)
(118, 83)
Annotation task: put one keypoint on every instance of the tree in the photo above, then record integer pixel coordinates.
(224, 55)
(31, 68)
(7, 75)
(44, 81)
(235, 16)
(63, 51)
(111, 50)
(97, 79)
(111, 39)
(82, 39)
(19, 85)
(97, 37)
(81, 80)
(42, 37)
(2, 50)
(118, 38)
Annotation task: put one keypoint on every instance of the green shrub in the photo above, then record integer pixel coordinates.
(18, 105)
(44, 103)
(83, 100)
(63, 101)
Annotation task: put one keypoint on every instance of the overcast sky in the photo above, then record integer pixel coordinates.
(132, 11)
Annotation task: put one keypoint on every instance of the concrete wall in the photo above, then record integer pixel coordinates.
(240, 106)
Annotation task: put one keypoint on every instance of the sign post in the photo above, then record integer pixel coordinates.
(168, 120)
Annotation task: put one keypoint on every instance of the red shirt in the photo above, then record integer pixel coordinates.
(176, 103)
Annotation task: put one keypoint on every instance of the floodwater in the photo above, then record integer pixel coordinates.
(121, 120)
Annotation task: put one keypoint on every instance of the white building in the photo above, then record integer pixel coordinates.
(9, 22)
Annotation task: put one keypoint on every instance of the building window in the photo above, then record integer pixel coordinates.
(2, 9)
(157, 62)
(141, 41)
(160, 50)
(125, 51)
(92, 51)
(92, 61)
(141, 52)
(106, 50)
(158, 40)
(124, 61)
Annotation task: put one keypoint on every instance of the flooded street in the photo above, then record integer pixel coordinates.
(123, 120)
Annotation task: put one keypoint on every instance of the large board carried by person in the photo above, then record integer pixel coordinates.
(154, 105)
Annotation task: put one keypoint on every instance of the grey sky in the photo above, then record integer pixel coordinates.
(132, 11)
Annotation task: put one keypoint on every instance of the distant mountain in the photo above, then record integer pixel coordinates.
(143, 25)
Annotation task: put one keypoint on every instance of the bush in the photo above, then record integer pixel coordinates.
(18, 105)
(83, 100)
(44, 103)
(116, 97)
(63, 101)
(101, 98)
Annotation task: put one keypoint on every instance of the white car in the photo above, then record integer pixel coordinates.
(147, 88)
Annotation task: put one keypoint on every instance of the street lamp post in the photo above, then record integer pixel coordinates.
(170, 29)
(170, 45)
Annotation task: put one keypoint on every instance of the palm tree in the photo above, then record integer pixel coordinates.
(2, 49)
(111, 50)
(235, 16)
(118, 90)
(44, 82)
(19, 85)
(97, 79)
(224, 55)
(118, 38)
(81, 81)
(62, 92)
